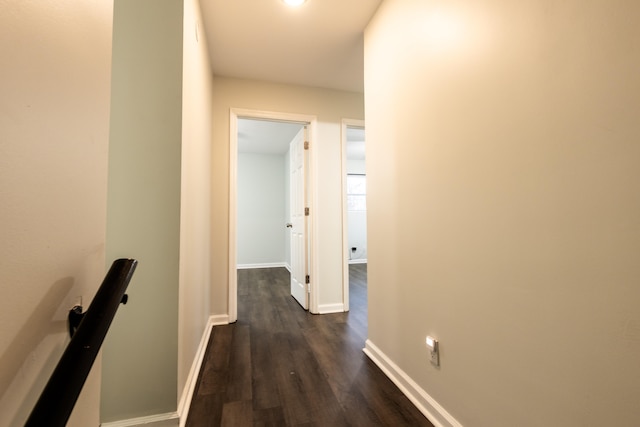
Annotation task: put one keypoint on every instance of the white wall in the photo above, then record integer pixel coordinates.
(195, 212)
(356, 166)
(143, 213)
(502, 159)
(54, 123)
(330, 107)
(357, 220)
(261, 209)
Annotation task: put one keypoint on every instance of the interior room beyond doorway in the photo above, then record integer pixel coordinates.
(263, 209)
(263, 193)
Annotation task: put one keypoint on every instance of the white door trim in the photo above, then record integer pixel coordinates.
(312, 122)
(345, 237)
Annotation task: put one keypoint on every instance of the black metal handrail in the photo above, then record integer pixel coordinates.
(59, 396)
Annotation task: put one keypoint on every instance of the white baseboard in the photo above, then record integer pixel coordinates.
(170, 419)
(192, 379)
(358, 261)
(262, 265)
(330, 308)
(287, 266)
(426, 404)
(219, 319)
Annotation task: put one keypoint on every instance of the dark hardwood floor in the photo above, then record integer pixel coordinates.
(278, 365)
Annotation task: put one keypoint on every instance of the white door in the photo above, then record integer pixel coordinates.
(298, 224)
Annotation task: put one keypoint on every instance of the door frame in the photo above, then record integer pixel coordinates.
(311, 122)
(346, 123)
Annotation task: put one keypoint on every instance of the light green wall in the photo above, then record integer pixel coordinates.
(143, 212)
(502, 159)
(261, 208)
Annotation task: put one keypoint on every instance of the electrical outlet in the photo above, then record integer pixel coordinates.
(434, 351)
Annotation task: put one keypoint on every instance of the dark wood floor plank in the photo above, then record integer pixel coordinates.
(291, 392)
(264, 383)
(323, 407)
(391, 406)
(239, 381)
(340, 362)
(216, 367)
(237, 414)
(206, 410)
(271, 417)
(280, 366)
(358, 299)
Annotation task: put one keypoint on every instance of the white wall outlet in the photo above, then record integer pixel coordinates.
(434, 353)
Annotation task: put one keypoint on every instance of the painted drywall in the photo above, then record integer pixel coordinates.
(143, 209)
(330, 107)
(357, 220)
(356, 166)
(502, 159)
(195, 211)
(357, 236)
(261, 209)
(54, 127)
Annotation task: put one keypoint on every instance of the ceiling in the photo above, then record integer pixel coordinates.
(264, 136)
(271, 137)
(318, 44)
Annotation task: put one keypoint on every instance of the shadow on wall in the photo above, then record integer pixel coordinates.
(21, 359)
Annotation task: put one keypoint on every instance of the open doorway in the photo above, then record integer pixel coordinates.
(263, 202)
(354, 214)
(259, 196)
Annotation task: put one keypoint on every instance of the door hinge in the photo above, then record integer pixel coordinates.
(306, 145)
(306, 211)
(307, 279)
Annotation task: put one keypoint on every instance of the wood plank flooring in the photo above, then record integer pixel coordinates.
(279, 366)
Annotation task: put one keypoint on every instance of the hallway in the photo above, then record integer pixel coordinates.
(281, 366)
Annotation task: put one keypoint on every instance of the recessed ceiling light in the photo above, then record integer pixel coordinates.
(294, 2)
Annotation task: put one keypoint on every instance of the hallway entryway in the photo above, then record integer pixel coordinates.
(262, 132)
